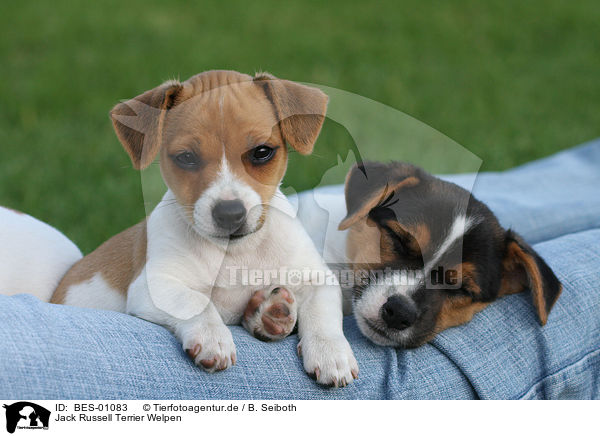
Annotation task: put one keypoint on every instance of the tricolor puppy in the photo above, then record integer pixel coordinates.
(221, 137)
(428, 255)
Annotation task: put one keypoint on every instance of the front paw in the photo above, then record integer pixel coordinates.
(211, 348)
(270, 315)
(329, 360)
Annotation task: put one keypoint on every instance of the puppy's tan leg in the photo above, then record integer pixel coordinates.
(270, 314)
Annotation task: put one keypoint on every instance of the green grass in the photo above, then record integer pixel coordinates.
(509, 80)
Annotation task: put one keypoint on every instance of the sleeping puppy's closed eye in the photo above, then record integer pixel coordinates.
(427, 255)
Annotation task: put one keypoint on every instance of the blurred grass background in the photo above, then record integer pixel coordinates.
(511, 81)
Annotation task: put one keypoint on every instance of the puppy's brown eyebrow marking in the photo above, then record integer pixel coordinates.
(422, 235)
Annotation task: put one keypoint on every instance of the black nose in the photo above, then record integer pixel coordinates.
(399, 312)
(229, 214)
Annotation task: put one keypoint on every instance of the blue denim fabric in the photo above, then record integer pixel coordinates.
(60, 352)
(546, 198)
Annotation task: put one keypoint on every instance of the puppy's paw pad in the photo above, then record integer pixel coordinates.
(330, 361)
(270, 315)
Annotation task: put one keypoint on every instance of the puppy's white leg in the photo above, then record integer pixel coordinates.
(205, 337)
(207, 340)
(326, 352)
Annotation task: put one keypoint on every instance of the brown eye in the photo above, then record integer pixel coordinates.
(186, 160)
(262, 154)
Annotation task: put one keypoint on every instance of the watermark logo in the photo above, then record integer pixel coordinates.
(438, 278)
(24, 415)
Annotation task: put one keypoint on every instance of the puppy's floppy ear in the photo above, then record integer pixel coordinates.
(523, 268)
(138, 122)
(369, 184)
(299, 109)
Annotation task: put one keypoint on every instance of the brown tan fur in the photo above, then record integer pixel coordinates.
(420, 232)
(119, 260)
(363, 244)
(460, 310)
(456, 311)
(467, 273)
(521, 272)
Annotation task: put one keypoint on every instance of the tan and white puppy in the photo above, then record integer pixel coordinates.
(221, 137)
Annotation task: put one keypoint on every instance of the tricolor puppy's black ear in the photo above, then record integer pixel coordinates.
(369, 184)
(299, 109)
(524, 269)
(139, 122)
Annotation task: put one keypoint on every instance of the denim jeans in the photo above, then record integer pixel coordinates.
(60, 352)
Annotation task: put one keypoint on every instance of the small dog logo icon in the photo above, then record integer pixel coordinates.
(26, 415)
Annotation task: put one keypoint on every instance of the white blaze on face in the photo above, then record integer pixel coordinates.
(460, 226)
(226, 186)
